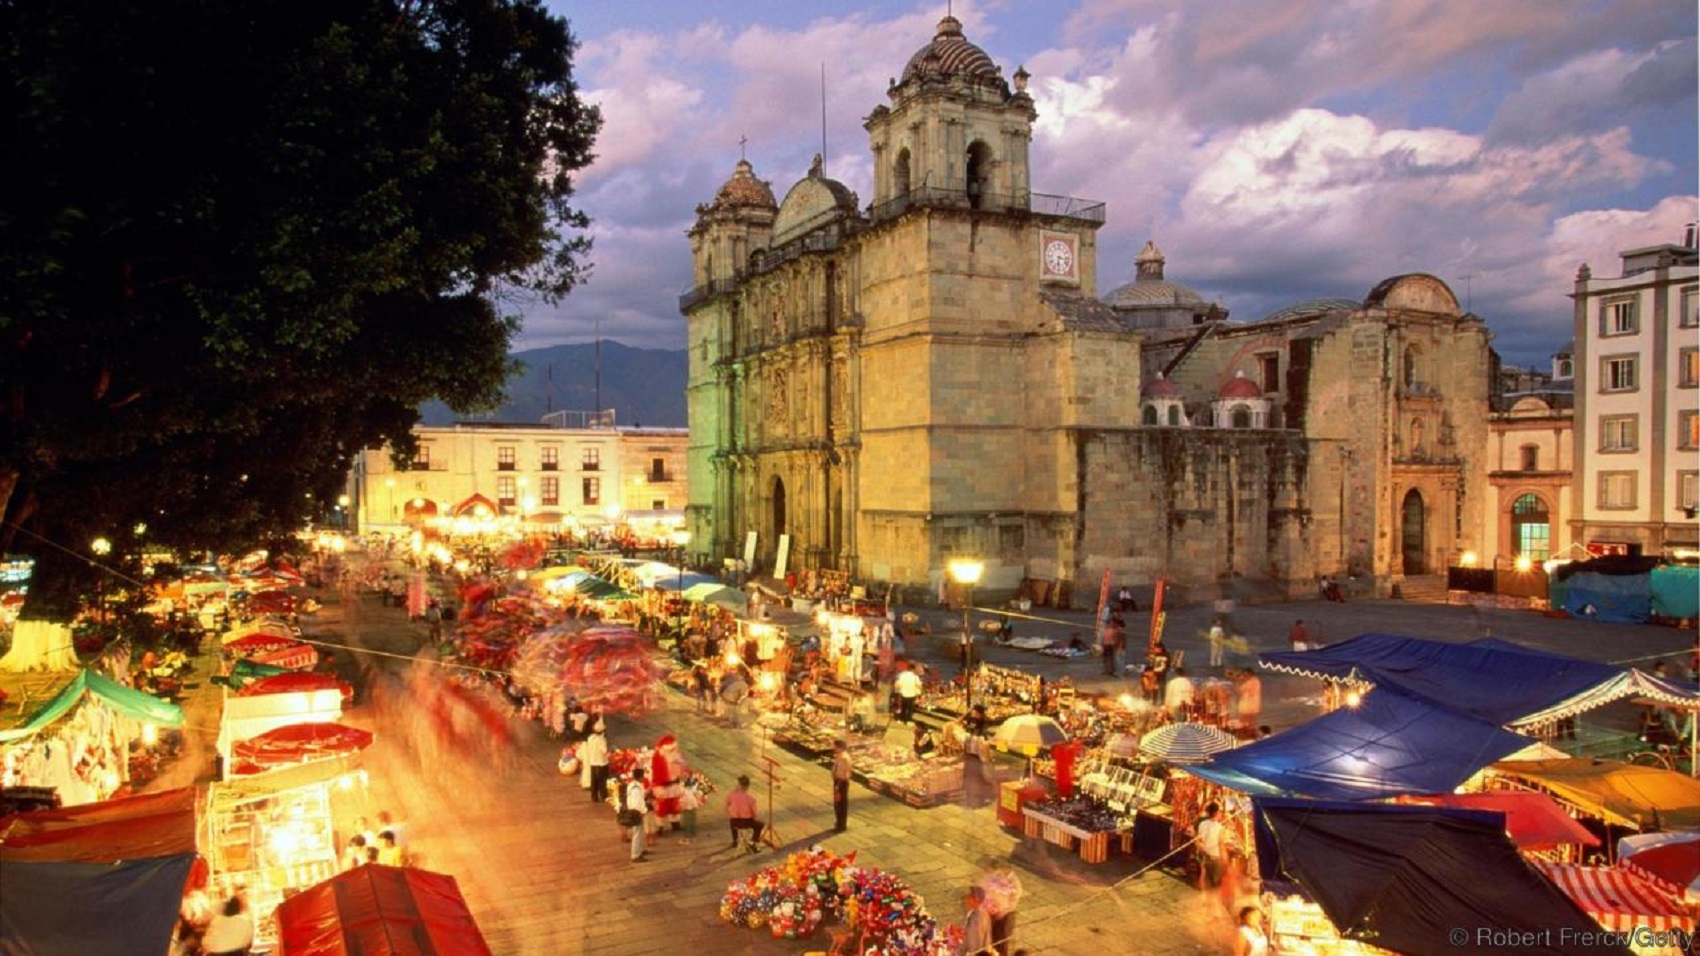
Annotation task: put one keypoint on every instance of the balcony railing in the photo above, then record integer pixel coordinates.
(696, 294)
(1042, 204)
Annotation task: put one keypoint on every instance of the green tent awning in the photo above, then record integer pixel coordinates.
(131, 703)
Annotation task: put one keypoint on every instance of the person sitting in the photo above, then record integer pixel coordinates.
(924, 743)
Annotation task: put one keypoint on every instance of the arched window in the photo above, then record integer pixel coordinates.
(979, 172)
(1410, 367)
(900, 174)
(1174, 416)
(1240, 417)
(1531, 527)
(1150, 415)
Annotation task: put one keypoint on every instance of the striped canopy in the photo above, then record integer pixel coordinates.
(1617, 899)
(1185, 743)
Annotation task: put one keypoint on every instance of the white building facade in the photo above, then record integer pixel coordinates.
(1637, 365)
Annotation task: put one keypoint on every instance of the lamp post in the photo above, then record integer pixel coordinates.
(101, 548)
(342, 512)
(966, 572)
(389, 484)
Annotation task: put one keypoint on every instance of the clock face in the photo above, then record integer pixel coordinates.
(1059, 258)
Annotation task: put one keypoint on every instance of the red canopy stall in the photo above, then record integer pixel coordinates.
(375, 910)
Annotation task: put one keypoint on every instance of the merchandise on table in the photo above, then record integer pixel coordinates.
(815, 887)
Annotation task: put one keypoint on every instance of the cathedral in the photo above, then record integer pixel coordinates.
(877, 389)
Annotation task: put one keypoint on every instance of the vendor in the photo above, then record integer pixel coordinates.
(978, 722)
(924, 744)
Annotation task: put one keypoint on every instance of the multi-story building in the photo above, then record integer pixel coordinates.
(566, 474)
(1637, 362)
(1531, 465)
(933, 376)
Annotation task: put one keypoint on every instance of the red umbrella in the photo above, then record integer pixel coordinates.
(293, 682)
(257, 643)
(298, 743)
(268, 602)
(1675, 866)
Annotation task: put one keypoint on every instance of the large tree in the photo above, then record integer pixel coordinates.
(243, 240)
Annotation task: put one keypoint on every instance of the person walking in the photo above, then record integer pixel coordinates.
(976, 925)
(1112, 645)
(840, 786)
(741, 814)
(1212, 847)
(637, 809)
(1218, 640)
(594, 754)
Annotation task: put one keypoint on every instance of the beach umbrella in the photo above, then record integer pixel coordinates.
(296, 682)
(1185, 743)
(298, 743)
(251, 644)
(1673, 865)
(1029, 733)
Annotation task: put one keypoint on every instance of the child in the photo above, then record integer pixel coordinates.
(689, 801)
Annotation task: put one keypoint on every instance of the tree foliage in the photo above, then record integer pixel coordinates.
(244, 240)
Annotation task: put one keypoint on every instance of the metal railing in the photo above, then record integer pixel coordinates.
(1043, 204)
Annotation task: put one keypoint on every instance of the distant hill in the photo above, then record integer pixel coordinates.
(643, 386)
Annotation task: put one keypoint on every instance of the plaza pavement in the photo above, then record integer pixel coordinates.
(545, 872)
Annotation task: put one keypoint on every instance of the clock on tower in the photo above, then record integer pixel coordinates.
(1059, 256)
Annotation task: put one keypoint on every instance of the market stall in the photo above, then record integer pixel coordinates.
(82, 741)
(1621, 794)
(273, 834)
(1339, 875)
(1622, 902)
(1533, 821)
(372, 907)
(247, 715)
(99, 879)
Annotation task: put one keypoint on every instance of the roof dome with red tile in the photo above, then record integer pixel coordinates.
(744, 189)
(1240, 387)
(1161, 387)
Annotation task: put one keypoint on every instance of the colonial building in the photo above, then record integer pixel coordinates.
(933, 376)
(1637, 366)
(1531, 465)
(571, 474)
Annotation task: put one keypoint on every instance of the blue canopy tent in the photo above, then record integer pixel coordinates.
(1392, 743)
(1409, 879)
(1494, 680)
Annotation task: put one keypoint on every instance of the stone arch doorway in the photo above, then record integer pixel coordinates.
(1531, 527)
(778, 508)
(1412, 539)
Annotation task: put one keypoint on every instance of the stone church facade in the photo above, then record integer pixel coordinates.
(932, 375)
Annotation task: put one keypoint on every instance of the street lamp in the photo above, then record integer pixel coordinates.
(101, 548)
(680, 539)
(342, 512)
(966, 572)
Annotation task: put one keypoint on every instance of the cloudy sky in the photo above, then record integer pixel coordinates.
(1276, 150)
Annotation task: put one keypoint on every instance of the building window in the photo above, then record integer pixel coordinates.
(505, 493)
(422, 459)
(592, 491)
(1617, 433)
(551, 460)
(658, 469)
(658, 504)
(1149, 415)
(505, 458)
(1530, 458)
(1688, 430)
(551, 492)
(1688, 374)
(1240, 417)
(1174, 416)
(1617, 490)
(1531, 527)
(1566, 368)
(1617, 317)
(1688, 490)
(593, 459)
(1617, 373)
(1269, 370)
(1687, 316)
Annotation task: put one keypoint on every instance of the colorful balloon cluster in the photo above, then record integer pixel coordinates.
(794, 898)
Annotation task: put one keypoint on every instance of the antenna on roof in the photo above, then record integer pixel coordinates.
(823, 116)
(1469, 278)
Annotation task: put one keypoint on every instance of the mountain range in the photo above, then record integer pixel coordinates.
(643, 386)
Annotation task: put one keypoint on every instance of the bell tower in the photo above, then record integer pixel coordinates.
(954, 133)
(738, 222)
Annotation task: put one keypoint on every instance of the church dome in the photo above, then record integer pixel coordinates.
(950, 54)
(744, 189)
(1240, 387)
(1312, 308)
(1161, 387)
(1149, 288)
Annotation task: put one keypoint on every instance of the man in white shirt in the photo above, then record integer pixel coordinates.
(231, 932)
(908, 687)
(1178, 695)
